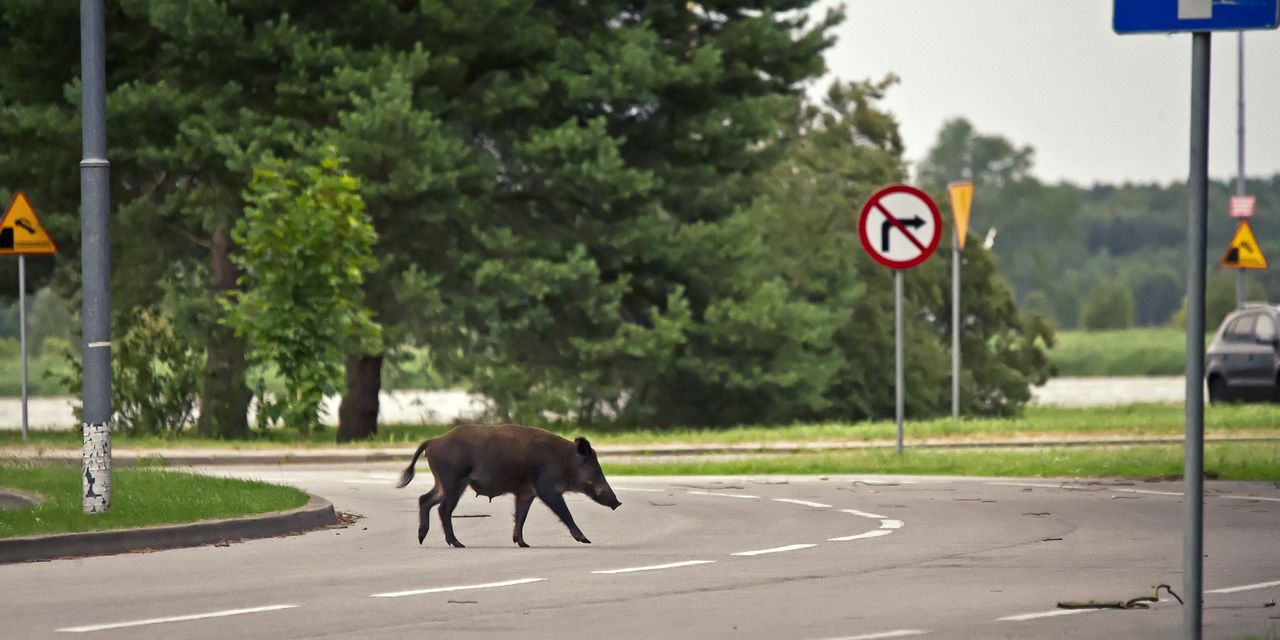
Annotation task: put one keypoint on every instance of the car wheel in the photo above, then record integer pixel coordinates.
(1217, 390)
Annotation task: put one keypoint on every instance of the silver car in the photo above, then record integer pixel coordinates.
(1243, 361)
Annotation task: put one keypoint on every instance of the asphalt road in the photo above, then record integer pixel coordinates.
(792, 559)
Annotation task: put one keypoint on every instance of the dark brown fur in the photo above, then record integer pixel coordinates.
(509, 458)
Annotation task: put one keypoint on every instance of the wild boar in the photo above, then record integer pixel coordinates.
(509, 458)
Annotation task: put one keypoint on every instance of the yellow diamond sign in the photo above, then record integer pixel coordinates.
(961, 197)
(21, 233)
(1244, 252)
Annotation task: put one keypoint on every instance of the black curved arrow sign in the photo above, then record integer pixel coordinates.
(915, 222)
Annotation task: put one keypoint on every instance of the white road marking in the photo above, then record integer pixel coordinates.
(1250, 498)
(1146, 491)
(1247, 587)
(760, 552)
(870, 534)
(864, 514)
(1044, 614)
(726, 495)
(468, 587)
(900, 633)
(636, 489)
(198, 616)
(804, 503)
(891, 524)
(655, 567)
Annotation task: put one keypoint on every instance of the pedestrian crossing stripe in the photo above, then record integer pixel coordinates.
(1244, 252)
(21, 233)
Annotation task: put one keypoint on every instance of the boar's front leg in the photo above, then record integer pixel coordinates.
(555, 500)
(524, 499)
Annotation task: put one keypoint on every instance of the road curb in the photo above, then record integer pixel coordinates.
(317, 513)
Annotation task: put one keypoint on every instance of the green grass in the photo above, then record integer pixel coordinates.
(1148, 351)
(1229, 461)
(41, 368)
(1132, 420)
(140, 497)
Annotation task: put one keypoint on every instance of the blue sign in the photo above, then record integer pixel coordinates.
(1166, 16)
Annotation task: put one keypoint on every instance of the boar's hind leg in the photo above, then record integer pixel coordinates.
(555, 500)
(524, 498)
(451, 496)
(425, 502)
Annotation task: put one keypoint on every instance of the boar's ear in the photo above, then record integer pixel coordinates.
(584, 447)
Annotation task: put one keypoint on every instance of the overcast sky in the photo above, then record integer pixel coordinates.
(1096, 106)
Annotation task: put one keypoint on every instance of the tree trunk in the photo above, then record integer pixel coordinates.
(224, 401)
(358, 413)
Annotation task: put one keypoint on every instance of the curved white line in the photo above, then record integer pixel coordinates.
(803, 503)
(875, 533)
(198, 616)
(654, 567)
(760, 552)
(415, 592)
(864, 514)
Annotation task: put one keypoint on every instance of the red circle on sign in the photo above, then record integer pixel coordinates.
(926, 249)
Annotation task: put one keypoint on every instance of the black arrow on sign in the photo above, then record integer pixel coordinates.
(914, 222)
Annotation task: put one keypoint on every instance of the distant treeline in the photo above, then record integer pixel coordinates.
(1099, 257)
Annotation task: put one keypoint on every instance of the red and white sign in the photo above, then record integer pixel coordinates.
(900, 226)
(1242, 206)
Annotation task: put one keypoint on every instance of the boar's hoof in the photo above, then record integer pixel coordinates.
(582, 539)
(422, 534)
(522, 543)
(455, 543)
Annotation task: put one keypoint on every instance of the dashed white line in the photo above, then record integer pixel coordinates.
(1044, 614)
(891, 524)
(900, 633)
(804, 503)
(1247, 587)
(864, 514)
(197, 616)
(760, 552)
(725, 495)
(655, 567)
(870, 534)
(468, 587)
(1121, 490)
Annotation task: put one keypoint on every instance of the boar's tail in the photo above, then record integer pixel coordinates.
(407, 475)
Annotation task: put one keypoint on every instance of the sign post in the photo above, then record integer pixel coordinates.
(961, 196)
(899, 228)
(22, 235)
(1200, 17)
(95, 311)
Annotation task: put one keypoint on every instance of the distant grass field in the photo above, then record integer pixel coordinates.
(1147, 351)
(1132, 420)
(140, 497)
(1225, 461)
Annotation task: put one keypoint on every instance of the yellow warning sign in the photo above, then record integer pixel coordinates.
(21, 233)
(961, 197)
(1244, 252)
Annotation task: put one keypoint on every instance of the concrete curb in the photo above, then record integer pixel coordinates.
(317, 513)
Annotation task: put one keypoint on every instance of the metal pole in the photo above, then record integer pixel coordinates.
(1241, 294)
(95, 264)
(955, 325)
(1197, 222)
(897, 352)
(22, 334)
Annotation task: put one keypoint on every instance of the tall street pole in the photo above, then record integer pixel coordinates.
(955, 323)
(22, 335)
(1197, 223)
(95, 311)
(1240, 282)
(897, 354)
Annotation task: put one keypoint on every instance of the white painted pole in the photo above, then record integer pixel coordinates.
(22, 334)
(897, 351)
(955, 324)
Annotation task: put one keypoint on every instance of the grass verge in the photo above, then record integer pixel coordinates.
(140, 497)
(1132, 420)
(1225, 461)
(1145, 351)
